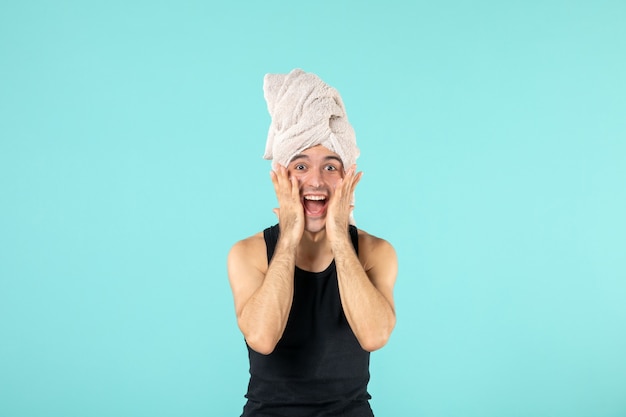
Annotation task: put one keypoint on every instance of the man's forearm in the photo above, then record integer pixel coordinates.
(369, 314)
(264, 317)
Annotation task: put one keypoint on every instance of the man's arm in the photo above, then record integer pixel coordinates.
(366, 288)
(263, 294)
(365, 281)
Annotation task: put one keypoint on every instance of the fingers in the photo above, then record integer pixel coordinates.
(274, 179)
(283, 183)
(342, 202)
(290, 212)
(348, 183)
(356, 180)
(295, 190)
(277, 175)
(286, 188)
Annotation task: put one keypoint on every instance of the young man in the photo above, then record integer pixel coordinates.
(313, 295)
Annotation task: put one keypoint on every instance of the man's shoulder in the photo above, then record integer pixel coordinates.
(374, 250)
(249, 251)
(368, 241)
(250, 244)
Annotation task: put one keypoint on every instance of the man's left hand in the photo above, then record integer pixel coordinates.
(341, 205)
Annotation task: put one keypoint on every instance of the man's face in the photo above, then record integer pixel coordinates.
(318, 171)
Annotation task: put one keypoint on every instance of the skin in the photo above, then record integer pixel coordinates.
(311, 240)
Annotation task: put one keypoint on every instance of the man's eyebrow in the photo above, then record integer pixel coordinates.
(335, 158)
(300, 156)
(326, 158)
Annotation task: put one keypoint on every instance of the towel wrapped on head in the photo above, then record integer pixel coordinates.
(306, 112)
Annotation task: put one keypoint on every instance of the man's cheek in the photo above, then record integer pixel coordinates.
(300, 179)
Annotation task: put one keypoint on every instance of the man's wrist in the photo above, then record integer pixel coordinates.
(287, 244)
(341, 241)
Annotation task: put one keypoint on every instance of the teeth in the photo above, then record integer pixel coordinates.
(314, 197)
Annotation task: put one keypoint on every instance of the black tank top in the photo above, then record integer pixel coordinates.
(318, 368)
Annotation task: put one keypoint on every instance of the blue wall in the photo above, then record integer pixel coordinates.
(493, 139)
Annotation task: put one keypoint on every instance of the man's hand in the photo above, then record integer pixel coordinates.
(290, 212)
(341, 205)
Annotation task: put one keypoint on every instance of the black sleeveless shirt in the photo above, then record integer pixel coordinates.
(318, 368)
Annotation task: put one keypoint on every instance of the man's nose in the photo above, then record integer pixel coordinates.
(314, 179)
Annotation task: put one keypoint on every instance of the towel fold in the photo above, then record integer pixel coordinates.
(306, 112)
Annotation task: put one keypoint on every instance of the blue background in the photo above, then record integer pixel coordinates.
(493, 139)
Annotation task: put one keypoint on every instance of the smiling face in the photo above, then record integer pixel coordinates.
(318, 171)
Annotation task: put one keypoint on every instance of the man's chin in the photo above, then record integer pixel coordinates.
(315, 225)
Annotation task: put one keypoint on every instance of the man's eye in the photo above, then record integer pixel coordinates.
(299, 167)
(330, 168)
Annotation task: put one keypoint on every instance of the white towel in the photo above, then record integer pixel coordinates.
(306, 112)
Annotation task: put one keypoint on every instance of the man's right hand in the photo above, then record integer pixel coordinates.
(290, 212)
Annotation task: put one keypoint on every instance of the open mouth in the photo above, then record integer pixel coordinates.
(314, 205)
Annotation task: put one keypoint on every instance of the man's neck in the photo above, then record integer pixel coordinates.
(314, 253)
